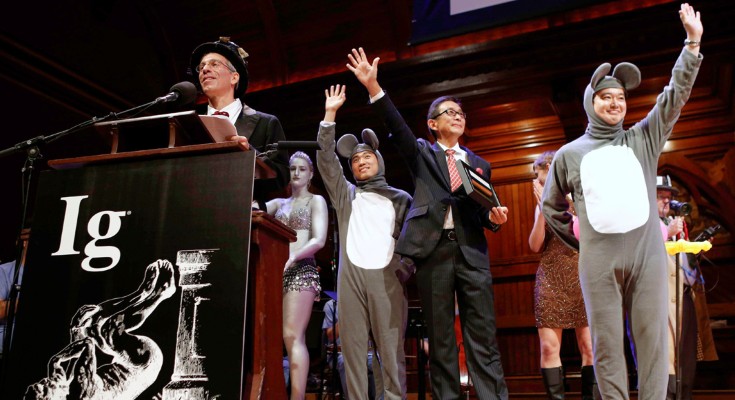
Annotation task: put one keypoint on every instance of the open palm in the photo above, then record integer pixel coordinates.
(691, 21)
(335, 97)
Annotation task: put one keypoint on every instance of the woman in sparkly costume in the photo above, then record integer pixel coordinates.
(558, 297)
(306, 213)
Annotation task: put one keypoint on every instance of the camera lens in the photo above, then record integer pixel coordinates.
(681, 208)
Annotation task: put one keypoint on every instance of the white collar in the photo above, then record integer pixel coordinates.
(457, 150)
(233, 110)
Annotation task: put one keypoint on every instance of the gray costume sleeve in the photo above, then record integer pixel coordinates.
(554, 203)
(659, 123)
(330, 169)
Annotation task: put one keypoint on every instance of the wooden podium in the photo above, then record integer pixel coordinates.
(269, 242)
(169, 233)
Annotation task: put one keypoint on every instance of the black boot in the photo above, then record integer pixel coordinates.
(671, 389)
(554, 382)
(590, 391)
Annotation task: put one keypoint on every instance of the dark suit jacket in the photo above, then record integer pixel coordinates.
(262, 129)
(423, 226)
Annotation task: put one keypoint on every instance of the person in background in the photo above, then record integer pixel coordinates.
(558, 301)
(7, 274)
(696, 342)
(306, 213)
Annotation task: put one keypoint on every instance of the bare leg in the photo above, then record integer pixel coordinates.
(296, 313)
(552, 372)
(550, 347)
(584, 342)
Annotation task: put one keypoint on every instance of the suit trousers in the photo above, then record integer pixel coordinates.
(439, 277)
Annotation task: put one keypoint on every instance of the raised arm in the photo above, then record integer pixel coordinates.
(335, 98)
(659, 123)
(326, 159)
(692, 23)
(538, 232)
(364, 71)
(400, 134)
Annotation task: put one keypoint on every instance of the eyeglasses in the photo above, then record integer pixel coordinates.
(214, 64)
(451, 113)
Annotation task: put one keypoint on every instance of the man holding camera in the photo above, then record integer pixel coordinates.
(695, 340)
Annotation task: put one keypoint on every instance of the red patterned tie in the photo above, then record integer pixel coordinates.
(225, 113)
(453, 173)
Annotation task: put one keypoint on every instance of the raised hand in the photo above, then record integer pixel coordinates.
(365, 72)
(335, 97)
(691, 21)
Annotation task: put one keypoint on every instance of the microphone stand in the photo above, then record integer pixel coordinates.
(335, 252)
(335, 352)
(32, 147)
(677, 330)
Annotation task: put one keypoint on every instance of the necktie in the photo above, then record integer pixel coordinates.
(454, 178)
(225, 113)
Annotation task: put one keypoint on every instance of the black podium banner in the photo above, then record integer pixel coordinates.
(135, 282)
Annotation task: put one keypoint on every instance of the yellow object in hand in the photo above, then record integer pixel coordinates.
(683, 246)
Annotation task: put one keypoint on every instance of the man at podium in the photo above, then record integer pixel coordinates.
(220, 71)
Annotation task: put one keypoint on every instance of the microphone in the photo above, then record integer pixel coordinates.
(182, 92)
(294, 144)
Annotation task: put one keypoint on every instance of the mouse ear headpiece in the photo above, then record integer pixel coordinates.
(369, 137)
(625, 76)
(346, 144)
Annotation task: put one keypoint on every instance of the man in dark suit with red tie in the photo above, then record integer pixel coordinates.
(443, 232)
(220, 71)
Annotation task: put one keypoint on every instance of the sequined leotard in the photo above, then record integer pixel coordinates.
(303, 274)
(558, 294)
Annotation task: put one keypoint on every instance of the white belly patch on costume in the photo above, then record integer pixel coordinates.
(615, 194)
(370, 240)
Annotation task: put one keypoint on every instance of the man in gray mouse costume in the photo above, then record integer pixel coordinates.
(611, 174)
(371, 283)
